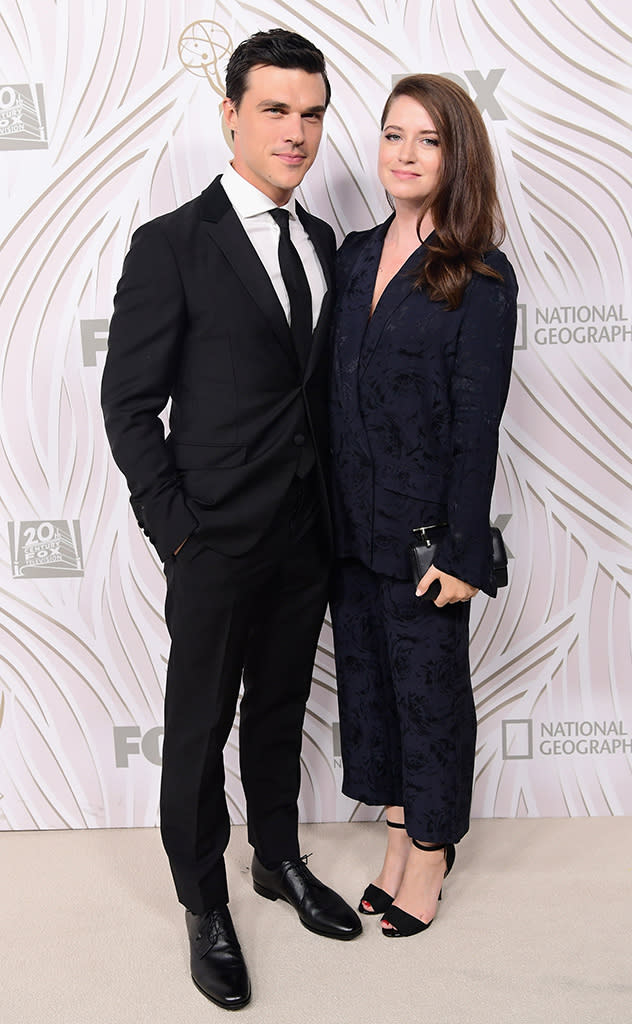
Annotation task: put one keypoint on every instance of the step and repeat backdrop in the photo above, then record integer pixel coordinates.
(110, 115)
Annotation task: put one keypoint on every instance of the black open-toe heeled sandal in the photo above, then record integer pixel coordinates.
(378, 899)
(401, 924)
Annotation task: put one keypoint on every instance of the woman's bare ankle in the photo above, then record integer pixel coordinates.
(396, 855)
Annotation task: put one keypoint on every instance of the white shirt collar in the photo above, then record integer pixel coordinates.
(247, 200)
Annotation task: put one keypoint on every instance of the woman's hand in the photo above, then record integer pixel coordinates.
(452, 589)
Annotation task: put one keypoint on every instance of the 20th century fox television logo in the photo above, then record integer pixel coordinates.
(47, 548)
(22, 117)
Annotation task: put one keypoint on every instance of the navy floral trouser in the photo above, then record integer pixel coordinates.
(407, 716)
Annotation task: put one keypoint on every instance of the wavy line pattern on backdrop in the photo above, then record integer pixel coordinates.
(132, 133)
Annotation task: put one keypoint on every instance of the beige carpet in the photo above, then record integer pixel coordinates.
(534, 927)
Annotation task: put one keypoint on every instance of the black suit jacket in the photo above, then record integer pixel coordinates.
(417, 396)
(197, 320)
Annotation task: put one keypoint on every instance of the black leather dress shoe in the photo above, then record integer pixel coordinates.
(319, 908)
(217, 964)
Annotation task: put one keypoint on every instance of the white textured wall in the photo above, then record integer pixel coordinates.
(102, 127)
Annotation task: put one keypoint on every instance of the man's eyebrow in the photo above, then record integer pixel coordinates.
(318, 109)
(272, 103)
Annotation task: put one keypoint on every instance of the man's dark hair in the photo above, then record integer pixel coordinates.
(276, 48)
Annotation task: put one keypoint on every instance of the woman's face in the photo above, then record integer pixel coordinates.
(409, 159)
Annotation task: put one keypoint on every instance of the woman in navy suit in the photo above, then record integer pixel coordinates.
(423, 343)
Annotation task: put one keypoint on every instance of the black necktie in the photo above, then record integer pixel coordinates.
(295, 281)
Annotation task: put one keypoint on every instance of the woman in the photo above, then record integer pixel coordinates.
(423, 342)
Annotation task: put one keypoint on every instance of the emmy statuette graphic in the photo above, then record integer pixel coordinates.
(204, 49)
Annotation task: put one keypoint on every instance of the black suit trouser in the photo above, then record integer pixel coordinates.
(258, 615)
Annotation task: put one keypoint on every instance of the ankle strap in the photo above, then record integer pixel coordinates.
(395, 824)
(428, 847)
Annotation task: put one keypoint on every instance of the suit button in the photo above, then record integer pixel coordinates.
(299, 439)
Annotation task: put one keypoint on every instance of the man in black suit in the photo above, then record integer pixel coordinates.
(223, 307)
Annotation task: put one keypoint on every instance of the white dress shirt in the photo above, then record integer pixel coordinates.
(252, 206)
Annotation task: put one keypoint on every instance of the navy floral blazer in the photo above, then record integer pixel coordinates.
(416, 400)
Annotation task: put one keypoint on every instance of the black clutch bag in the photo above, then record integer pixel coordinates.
(422, 554)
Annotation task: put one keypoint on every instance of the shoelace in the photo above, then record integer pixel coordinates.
(305, 873)
(211, 929)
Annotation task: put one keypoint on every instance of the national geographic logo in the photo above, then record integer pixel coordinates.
(128, 740)
(22, 117)
(483, 87)
(523, 739)
(520, 340)
(47, 548)
(599, 324)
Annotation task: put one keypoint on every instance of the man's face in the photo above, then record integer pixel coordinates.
(277, 128)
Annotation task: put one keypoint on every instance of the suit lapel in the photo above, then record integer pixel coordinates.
(355, 303)
(317, 239)
(227, 232)
(321, 329)
(358, 333)
(351, 325)
(397, 291)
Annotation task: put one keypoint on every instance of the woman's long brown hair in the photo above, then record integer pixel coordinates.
(466, 212)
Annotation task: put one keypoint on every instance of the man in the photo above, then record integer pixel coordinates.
(216, 311)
